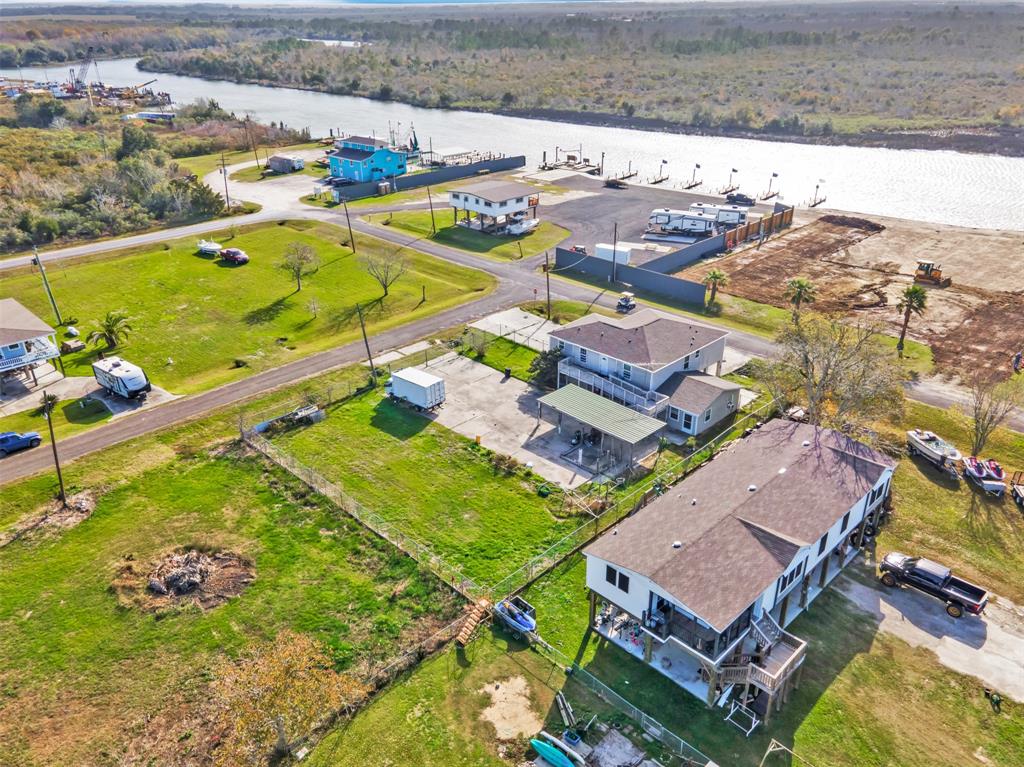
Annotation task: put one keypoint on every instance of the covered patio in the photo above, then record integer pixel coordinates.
(600, 435)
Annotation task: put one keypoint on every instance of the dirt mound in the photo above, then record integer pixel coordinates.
(510, 711)
(852, 222)
(183, 577)
(54, 518)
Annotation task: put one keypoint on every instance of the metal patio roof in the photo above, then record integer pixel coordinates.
(602, 414)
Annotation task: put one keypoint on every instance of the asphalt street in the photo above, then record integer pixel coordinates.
(517, 282)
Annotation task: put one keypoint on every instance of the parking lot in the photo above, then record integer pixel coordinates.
(502, 412)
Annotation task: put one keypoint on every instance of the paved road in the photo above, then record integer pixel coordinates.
(517, 282)
(990, 648)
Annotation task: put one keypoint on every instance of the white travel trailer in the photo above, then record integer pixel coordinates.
(729, 215)
(687, 222)
(121, 377)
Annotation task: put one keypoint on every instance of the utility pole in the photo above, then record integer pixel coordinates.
(366, 341)
(224, 172)
(351, 237)
(615, 248)
(48, 412)
(430, 201)
(252, 141)
(46, 283)
(547, 279)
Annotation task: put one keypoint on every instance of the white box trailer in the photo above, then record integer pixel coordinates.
(605, 251)
(419, 388)
(121, 377)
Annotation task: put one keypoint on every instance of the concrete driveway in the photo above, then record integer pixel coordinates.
(990, 648)
(502, 412)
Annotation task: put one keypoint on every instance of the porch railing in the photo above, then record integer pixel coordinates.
(41, 350)
(647, 402)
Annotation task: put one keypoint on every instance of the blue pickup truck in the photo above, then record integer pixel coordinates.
(11, 441)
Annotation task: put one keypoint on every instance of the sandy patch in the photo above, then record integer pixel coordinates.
(510, 711)
(53, 519)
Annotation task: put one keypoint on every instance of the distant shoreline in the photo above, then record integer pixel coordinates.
(1007, 142)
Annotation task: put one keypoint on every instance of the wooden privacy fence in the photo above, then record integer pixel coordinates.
(759, 229)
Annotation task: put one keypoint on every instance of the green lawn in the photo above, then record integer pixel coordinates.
(565, 311)
(70, 416)
(103, 677)
(255, 173)
(954, 523)
(500, 353)
(432, 483)
(865, 698)
(205, 163)
(198, 323)
(502, 247)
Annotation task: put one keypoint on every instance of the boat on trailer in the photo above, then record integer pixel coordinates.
(209, 247)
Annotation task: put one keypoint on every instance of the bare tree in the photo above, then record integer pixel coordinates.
(300, 260)
(385, 268)
(992, 400)
(840, 372)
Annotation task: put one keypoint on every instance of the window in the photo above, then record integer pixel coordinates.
(707, 415)
(696, 354)
(519, 199)
(583, 355)
(561, 345)
(846, 522)
(822, 543)
(731, 403)
(627, 371)
(14, 346)
(616, 578)
(686, 361)
(673, 413)
(624, 582)
(488, 205)
(687, 421)
(610, 574)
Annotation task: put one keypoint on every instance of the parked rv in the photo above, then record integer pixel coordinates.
(693, 224)
(120, 377)
(421, 389)
(932, 578)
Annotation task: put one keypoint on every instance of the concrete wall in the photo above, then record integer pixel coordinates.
(430, 177)
(673, 262)
(638, 277)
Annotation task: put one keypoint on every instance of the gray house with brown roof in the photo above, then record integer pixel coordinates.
(653, 362)
(702, 582)
(25, 340)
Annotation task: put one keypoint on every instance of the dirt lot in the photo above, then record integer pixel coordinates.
(858, 269)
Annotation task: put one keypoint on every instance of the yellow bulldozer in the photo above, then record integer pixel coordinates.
(930, 274)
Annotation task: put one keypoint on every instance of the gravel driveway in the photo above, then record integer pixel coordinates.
(990, 648)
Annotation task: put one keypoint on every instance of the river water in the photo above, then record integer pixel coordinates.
(937, 186)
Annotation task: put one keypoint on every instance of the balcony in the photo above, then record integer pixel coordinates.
(42, 349)
(647, 402)
(783, 654)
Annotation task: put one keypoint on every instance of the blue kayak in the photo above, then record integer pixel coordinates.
(551, 754)
(515, 617)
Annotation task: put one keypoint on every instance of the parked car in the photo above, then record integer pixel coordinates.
(932, 578)
(234, 256)
(12, 441)
(738, 198)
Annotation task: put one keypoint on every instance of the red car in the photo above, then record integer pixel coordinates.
(234, 256)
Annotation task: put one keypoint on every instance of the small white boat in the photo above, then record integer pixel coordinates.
(932, 447)
(209, 247)
(522, 226)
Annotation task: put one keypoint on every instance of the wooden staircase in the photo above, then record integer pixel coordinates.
(474, 616)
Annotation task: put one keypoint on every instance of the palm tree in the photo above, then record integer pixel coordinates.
(113, 330)
(914, 300)
(714, 280)
(800, 290)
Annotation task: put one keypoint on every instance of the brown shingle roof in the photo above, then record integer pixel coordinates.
(648, 338)
(19, 324)
(695, 392)
(737, 541)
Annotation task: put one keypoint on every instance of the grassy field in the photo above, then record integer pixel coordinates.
(256, 173)
(502, 353)
(505, 248)
(955, 523)
(563, 312)
(207, 163)
(198, 323)
(865, 698)
(431, 483)
(110, 679)
(760, 319)
(70, 416)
